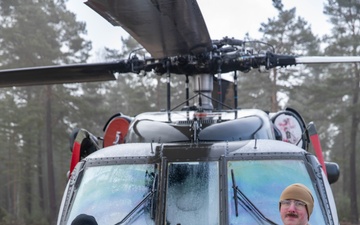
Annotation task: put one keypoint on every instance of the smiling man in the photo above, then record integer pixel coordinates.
(296, 205)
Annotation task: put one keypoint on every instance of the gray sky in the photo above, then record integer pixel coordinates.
(232, 18)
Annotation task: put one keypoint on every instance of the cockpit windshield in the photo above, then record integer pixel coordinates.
(193, 193)
(262, 182)
(114, 193)
(189, 193)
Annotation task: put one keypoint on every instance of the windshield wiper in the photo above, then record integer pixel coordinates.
(246, 203)
(149, 195)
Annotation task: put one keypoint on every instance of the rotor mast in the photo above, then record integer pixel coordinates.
(203, 86)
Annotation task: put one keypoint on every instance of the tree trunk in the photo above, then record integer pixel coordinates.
(40, 178)
(28, 184)
(50, 161)
(353, 135)
(345, 189)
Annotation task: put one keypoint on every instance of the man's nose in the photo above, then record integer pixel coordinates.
(292, 206)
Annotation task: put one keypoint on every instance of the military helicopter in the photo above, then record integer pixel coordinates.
(197, 165)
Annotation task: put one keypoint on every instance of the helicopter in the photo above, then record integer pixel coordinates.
(198, 165)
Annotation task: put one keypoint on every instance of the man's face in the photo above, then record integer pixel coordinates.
(293, 212)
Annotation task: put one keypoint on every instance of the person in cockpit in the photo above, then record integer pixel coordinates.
(296, 205)
(84, 219)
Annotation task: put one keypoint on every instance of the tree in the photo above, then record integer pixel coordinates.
(345, 18)
(278, 4)
(35, 33)
(287, 34)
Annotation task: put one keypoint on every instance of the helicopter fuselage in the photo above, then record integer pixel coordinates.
(188, 167)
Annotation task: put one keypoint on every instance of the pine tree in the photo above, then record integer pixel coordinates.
(345, 17)
(285, 34)
(35, 33)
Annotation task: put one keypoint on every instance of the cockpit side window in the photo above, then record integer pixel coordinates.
(109, 193)
(262, 182)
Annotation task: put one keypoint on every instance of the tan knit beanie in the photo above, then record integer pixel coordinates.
(299, 192)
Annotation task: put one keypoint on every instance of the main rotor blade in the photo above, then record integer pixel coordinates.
(59, 74)
(163, 27)
(326, 59)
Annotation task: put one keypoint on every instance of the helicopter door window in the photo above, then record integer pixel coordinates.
(109, 194)
(192, 195)
(262, 182)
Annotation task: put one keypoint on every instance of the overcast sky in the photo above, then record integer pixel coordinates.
(232, 18)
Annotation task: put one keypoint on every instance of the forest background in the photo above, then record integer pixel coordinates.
(35, 121)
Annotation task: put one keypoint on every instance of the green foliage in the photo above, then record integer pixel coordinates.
(35, 33)
(343, 40)
(287, 33)
(278, 4)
